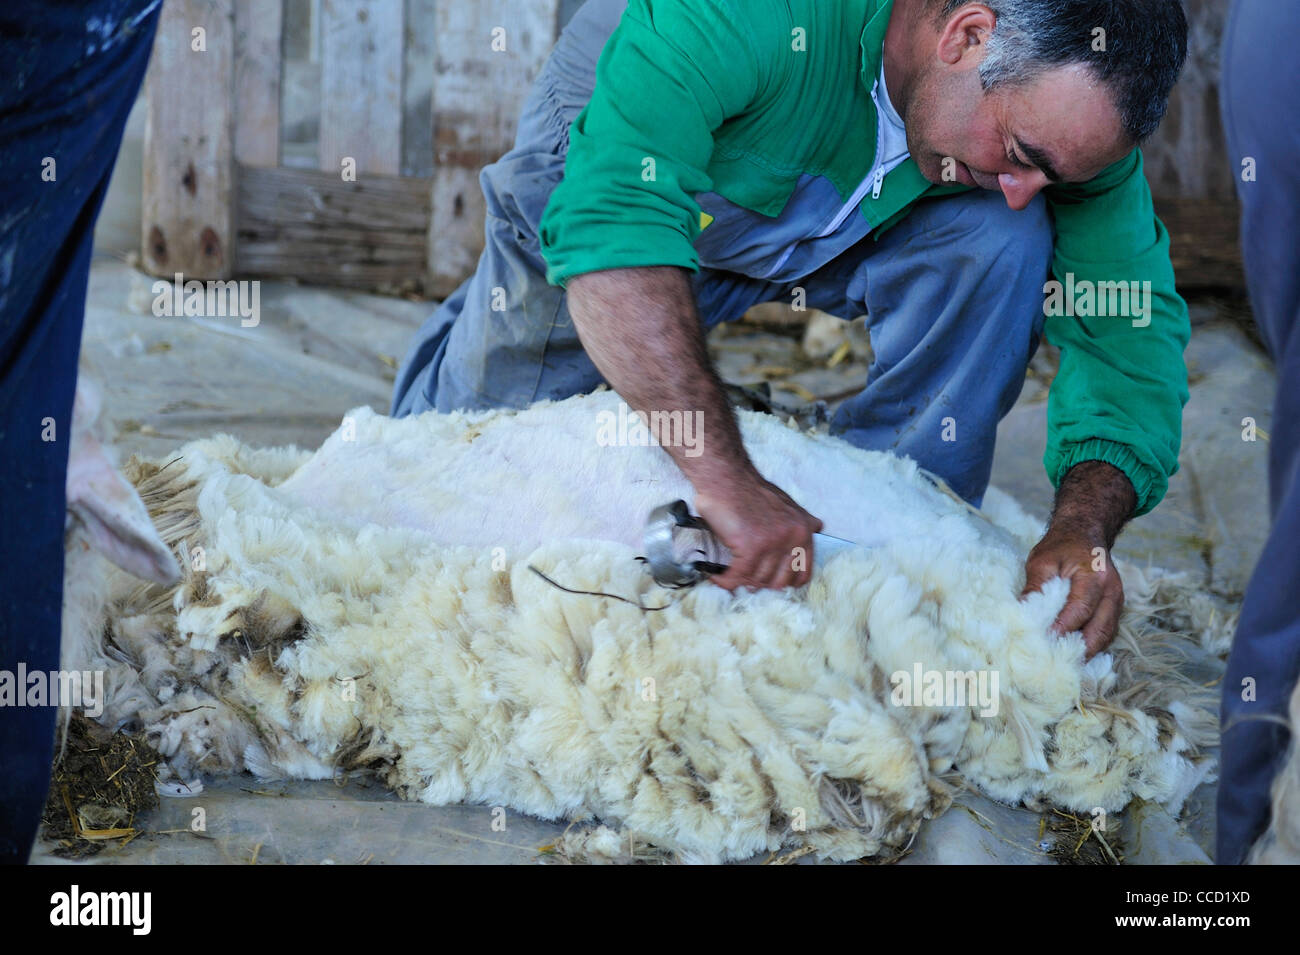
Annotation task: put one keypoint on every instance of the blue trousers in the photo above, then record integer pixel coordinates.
(72, 70)
(953, 297)
(1260, 79)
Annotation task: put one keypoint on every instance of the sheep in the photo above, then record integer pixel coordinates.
(423, 598)
(1280, 843)
(102, 507)
(106, 524)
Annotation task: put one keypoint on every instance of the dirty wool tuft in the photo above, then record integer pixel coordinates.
(372, 606)
(99, 783)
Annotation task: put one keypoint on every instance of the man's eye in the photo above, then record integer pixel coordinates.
(1015, 161)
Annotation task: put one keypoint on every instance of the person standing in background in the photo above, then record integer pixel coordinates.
(72, 70)
(1260, 77)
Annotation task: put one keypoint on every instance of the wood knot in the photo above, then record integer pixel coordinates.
(210, 244)
(157, 246)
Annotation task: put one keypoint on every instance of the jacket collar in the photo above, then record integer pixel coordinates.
(873, 40)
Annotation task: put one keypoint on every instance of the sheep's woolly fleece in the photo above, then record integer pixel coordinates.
(1280, 843)
(371, 606)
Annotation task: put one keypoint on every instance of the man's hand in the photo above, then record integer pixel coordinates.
(764, 530)
(1093, 502)
(641, 329)
(1096, 596)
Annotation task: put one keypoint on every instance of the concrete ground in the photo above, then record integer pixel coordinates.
(317, 353)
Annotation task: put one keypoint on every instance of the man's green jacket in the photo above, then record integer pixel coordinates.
(743, 97)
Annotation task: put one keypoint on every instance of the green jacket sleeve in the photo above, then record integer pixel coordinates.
(671, 73)
(1122, 384)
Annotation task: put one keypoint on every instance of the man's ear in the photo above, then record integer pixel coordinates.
(965, 35)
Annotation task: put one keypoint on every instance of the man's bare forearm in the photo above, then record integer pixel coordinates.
(1095, 501)
(641, 329)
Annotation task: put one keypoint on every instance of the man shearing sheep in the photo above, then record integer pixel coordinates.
(929, 163)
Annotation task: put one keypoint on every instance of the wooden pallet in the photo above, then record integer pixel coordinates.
(218, 196)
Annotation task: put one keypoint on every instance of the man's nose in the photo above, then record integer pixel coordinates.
(1020, 188)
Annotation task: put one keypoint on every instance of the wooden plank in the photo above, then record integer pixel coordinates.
(1205, 242)
(297, 31)
(299, 234)
(1187, 158)
(361, 85)
(417, 88)
(187, 203)
(312, 226)
(489, 52)
(258, 25)
(322, 198)
(313, 47)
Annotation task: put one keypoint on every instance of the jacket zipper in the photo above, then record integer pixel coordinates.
(875, 182)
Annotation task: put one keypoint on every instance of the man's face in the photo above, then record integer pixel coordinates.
(1017, 138)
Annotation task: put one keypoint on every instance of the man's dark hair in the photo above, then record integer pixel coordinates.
(1136, 47)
